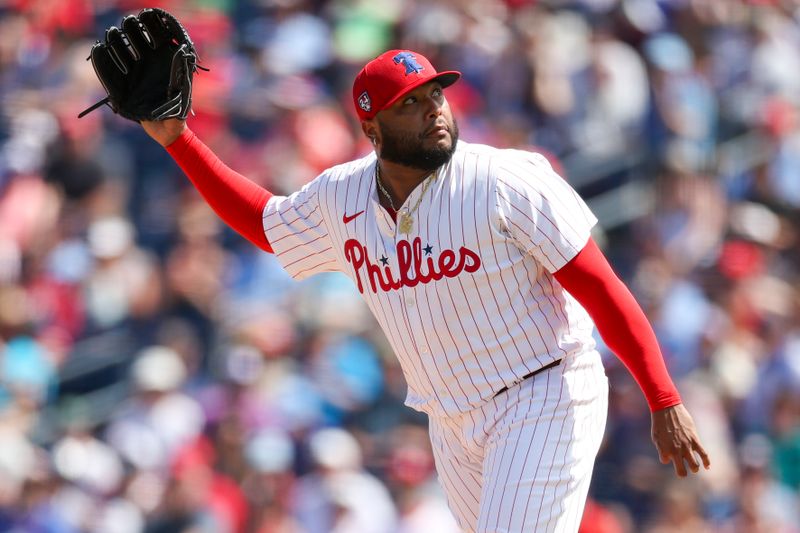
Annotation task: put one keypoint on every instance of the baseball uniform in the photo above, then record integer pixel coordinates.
(470, 306)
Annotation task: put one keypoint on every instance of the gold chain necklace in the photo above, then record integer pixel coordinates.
(406, 222)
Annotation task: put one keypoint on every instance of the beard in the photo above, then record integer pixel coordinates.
(407, 149)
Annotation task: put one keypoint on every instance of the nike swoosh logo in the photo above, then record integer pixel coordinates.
(348, 218)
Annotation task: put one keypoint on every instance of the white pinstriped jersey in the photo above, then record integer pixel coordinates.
(467, 299)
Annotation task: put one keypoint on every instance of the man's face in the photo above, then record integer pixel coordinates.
(419, 130)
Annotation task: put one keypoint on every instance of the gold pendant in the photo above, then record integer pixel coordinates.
(406, 223)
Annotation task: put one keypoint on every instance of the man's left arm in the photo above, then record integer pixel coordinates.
(622, 324)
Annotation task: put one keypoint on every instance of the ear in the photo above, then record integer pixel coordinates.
(370, 129)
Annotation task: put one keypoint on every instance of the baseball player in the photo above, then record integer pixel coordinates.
(479, 265)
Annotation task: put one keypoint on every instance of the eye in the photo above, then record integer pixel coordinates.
(437, 91)
(410, 100)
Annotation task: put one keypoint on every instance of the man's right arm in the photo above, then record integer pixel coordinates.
(236, 199)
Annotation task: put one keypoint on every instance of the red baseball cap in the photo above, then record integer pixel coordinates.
(392, 74)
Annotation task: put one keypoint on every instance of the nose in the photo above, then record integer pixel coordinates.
(435, 107)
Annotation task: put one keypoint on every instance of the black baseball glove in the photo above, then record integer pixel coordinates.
(146, 67)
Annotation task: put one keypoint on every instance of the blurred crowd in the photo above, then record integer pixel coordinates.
(159, 374)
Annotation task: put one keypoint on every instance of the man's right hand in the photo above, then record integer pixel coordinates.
(165, 132)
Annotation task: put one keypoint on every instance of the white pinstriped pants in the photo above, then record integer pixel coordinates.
(523, 461)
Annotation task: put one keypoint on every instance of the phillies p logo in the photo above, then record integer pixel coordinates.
(409, 61)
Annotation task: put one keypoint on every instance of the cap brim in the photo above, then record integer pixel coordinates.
(445, 79)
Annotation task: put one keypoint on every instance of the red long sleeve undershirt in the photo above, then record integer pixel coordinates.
(588, 277)
(237, 200)
(621, 322)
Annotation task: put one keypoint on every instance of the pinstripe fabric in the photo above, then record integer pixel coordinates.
(523, 461)
(469, 304)
(467, 300)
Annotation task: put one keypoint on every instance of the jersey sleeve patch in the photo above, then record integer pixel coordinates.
(297, 233)
(540, 211)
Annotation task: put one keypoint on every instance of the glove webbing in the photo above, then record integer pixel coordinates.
(163, 111)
